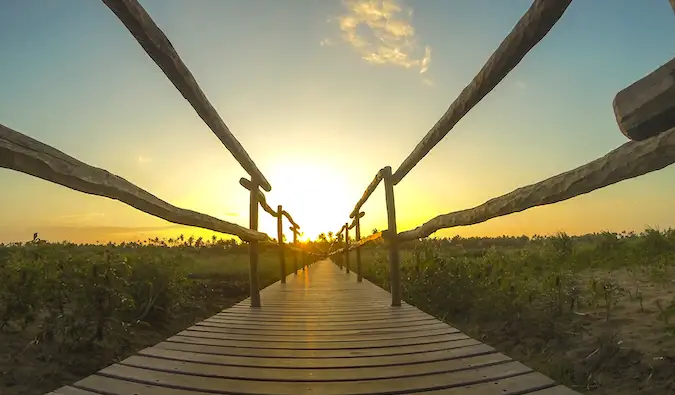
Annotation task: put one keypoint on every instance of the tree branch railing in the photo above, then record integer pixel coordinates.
(645, 113)
(24, 154)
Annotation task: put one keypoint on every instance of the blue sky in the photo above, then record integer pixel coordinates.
(320, 105)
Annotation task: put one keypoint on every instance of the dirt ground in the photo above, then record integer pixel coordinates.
(28, 369)
(630, 352)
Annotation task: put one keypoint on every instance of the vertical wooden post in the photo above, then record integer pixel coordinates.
(347, 248)
(253, 246)
(295, 256)
(394, 263)
(359, 276)
(282, 251)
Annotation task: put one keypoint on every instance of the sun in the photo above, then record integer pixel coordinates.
(314, 193)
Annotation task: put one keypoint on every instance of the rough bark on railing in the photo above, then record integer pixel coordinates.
(630, 160)
(369, 191)
(647, 107)
(27, 155)
(360, 243)
(159, 48)
(261, 197)
(356, 219)
(290, 219)
(529, 30)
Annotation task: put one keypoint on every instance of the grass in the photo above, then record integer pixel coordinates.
(596, 312)
(69, 310)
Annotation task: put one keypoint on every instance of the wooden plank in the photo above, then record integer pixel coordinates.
(522, 384)
(192, 354)
(355, 387)
(314, 375)
(557, 390)
(67, 390)
(311, 344)
(332, 338)
(280, 350)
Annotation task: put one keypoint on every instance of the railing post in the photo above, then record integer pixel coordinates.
(394, 264)
(295, 256)
(359, 276)
(347, 248)
(282, 252)
(253, 246)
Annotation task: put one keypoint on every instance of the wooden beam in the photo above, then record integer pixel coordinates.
(630, 160)
(346, 226)
(357, 237)
(261, 196)
(369, 191)
(27, 155)
(392, 243)
(529, 30)
(290, 219)
(280, 237)
(159, 48)
(253, 248)
(647, 107)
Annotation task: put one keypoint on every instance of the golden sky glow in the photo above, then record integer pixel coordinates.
(322, 95)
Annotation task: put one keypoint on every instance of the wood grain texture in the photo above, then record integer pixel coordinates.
(290, 219)
(260, 196)
(369, 191)
(159, 48)
(631, 160)
(320, 333)
(529, 30)
(647, 107)
(27, 155)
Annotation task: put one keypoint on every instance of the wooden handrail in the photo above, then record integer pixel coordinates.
(261, 196)
(290, 219)
(360, 243)
(159, 48)
(27, 155)
(529, 30)
(369, 191)
(356, 220)
(630, 160)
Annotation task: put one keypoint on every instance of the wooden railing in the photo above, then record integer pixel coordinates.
(24, 154)
(645, 112)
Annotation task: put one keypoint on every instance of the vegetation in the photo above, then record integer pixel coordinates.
(595, 312)
(68, 310)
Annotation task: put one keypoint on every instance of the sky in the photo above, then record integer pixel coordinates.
(322, 94)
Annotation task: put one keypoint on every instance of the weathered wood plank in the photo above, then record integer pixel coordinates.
(159, 48)
(647, 107)
(529, 30)
(369, 191)
(282, 349)
(27, 155)
(631, 160)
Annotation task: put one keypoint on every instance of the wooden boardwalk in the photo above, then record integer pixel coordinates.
(321, 333)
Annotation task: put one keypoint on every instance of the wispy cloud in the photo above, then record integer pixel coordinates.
(381, 32)
(143, 159)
